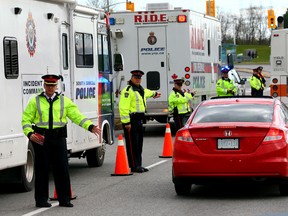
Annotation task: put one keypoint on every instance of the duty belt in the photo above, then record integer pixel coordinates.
(54, 133)
(138, 116)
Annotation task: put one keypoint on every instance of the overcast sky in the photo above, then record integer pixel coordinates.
(235, 6)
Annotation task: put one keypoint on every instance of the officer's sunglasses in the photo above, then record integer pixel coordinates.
(137, 77)
(179, 84)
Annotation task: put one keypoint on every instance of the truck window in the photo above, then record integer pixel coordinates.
(65, 51)
(153, 80)
(84, 50)
(11, 65)
(220, 52)
(209, 47)
(103, 54)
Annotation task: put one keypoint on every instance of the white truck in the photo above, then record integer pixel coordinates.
(167, 44)
(57, 37)
(279, 64)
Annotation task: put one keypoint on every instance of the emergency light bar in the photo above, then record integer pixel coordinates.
(182, 18)
(114, 21)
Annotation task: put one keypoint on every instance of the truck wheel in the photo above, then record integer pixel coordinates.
(95, 157)
(27, 172)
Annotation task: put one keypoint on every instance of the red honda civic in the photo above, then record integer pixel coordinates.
(233, 138)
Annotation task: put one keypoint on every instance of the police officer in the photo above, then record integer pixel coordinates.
(260, 69)
(263, 80)
(44, 123)
(256, 83)
(179, 104)
(225, 86)
(132, 108)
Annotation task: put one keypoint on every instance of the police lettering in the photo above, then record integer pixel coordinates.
(197, 39)
(199, 82)
(150, 18)
(84, 93)
(155, 49)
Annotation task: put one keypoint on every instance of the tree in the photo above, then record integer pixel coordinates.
(105, 4)
(249, 27)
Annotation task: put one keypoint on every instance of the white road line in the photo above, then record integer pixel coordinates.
(57, 203)
(41, 210)
(156, 164)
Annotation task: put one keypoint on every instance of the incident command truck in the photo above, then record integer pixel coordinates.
(57, 37)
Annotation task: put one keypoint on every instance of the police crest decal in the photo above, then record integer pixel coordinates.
(30, 35)
(152, 39)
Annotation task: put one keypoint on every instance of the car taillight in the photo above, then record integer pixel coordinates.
(273, 135)
(184, 136)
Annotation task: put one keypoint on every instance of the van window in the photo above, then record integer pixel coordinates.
(11, 58)
(209, 47)
(84, 50)
(153, 80)
(65, 51)
(104, 63)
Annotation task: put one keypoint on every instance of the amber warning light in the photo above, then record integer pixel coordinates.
(182, 18)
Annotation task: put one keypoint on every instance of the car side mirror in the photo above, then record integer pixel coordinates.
(118, 62)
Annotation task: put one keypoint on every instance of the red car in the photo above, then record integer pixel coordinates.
(233, 138)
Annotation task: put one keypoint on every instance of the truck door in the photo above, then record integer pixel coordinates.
(65, 69)
(85, 83)
(153, 59)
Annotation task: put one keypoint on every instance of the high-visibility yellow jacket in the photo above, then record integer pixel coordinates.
(131, 101)
(256, 82)
(180, 101)
(37, 113)
(223, 86)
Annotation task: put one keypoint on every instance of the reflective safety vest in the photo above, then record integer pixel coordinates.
(132, 102)
(256, 82)
(179, 102)
(37, 113)
(223, 86)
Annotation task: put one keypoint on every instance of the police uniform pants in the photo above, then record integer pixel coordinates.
(52, 154)
(134, 142)
(180, 120)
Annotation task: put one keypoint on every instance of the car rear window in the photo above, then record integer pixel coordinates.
(234, 113)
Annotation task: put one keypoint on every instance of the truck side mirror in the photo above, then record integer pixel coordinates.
(118, 62)
(230, 62)
(243, 80)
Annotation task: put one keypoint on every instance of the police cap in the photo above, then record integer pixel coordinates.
(137, 73)
(51, 79)
(260, 68)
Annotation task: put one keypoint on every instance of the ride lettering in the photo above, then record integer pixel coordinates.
(148, 18)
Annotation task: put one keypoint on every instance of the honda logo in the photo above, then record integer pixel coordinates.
(227, 133)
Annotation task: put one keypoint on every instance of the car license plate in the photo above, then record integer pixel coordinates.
(228, 144)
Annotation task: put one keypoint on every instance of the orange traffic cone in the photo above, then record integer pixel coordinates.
(55, 197)
(167, 147)
(121, 166)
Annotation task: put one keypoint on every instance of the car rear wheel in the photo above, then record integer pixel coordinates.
(182, 189)
(283, 188)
